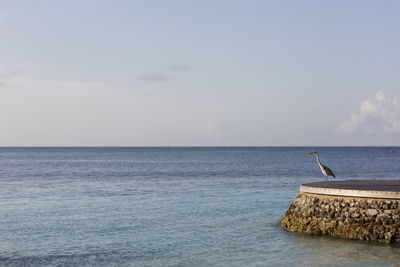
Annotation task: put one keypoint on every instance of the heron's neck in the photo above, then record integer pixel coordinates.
(319, 162)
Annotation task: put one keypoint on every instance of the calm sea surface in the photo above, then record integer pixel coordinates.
(174, 206)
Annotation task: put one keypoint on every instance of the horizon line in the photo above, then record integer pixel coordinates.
(194, 146)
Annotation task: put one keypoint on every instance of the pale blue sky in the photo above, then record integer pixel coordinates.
(165, 73)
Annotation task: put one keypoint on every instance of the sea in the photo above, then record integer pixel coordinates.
(175, 206)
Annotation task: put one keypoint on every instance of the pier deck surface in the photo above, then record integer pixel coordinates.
(358, 188)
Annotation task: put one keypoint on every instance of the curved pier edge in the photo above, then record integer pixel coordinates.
(349, 192)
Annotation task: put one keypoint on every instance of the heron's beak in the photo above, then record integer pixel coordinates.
(311, 153)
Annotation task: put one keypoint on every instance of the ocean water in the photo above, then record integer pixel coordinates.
(175, 206)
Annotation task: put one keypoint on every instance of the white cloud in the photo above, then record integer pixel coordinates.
(3, 15)
(379, 114)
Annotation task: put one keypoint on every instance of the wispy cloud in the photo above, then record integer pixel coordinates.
(377, 114)
(179, 67)
(5, 75)
(3, 15)
(9, 73)
(152, 78)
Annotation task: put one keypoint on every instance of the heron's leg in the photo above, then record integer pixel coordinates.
(326, 181)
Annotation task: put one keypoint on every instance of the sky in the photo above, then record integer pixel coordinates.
(199, 73)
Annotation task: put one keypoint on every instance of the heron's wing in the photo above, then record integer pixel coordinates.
(329, 172)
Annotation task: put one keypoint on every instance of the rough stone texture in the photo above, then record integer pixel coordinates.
(355, 218)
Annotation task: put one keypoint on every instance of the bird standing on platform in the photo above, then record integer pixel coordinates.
(324, 169)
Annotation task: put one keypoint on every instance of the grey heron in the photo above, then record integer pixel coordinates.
(324, 169)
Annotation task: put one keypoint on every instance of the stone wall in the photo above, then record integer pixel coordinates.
(346, 217)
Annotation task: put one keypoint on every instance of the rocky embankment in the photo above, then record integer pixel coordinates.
(355, 218)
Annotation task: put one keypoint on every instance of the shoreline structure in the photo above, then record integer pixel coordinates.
(355, 209)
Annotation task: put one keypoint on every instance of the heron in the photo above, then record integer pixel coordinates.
(324, 169)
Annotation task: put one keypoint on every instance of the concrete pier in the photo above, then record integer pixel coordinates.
(356, 209)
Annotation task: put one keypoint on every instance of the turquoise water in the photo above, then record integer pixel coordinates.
(174, 206)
